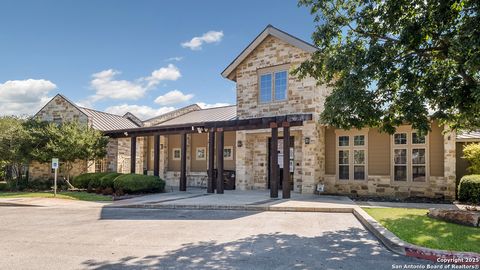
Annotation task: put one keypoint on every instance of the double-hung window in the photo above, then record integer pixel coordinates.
(409, 157)
(351, 154)
(273, 86)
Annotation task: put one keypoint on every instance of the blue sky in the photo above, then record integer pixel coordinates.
(119, 55)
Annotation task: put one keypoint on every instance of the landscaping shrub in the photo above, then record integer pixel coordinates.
(4, 186)
(471, 152)
(137, 183)
(88, 180)
(469, 188)
(40, 185)
(106, 183)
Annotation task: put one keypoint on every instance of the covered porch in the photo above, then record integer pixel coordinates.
(213, 134)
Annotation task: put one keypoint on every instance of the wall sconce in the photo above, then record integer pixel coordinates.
(161, 146)
(239, 143)
(307, 140)
(125, 133)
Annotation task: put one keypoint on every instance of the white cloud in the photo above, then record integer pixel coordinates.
(173, 97)
(107, 87)
(141, 111)
(169, 73)
(209, 37)
(204, 105)
(176, 58)
(24, 97)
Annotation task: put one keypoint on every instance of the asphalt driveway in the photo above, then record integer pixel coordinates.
(113, 238)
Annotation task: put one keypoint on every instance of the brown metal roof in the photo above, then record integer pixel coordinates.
(106, 121)
(204, 115)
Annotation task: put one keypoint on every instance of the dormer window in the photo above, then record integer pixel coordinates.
(273, 86)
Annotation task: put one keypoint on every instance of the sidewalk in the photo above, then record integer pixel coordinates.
(196, 198)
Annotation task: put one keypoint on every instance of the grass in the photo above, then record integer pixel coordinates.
(414, 226)
(70, 195)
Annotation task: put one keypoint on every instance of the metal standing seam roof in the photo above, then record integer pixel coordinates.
(469, 136)
(204, 115)
(106, 121)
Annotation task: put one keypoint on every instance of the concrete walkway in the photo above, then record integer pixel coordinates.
(233, 199)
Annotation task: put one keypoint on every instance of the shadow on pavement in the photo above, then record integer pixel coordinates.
(109, 213)
(347, 249)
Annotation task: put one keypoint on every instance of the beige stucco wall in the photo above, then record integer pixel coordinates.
(378, 152)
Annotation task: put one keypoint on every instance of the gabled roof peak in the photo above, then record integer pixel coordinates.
(269, 30)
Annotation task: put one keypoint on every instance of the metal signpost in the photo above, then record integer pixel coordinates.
(55, 167)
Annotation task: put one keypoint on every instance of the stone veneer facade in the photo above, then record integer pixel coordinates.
(251, 159)
(59, 109)
(303, 96)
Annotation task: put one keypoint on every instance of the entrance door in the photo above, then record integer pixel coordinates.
(280, 161)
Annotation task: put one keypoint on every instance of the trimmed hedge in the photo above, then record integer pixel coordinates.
(107, 180)
(137, 183)
(4, 186)
(88, 180)
(469, 188)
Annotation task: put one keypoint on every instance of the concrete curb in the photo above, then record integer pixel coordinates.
(237, 207)
(395, 244)
(387, 238)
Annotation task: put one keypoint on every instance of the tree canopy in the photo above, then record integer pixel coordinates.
(390, 62)
(25, 140)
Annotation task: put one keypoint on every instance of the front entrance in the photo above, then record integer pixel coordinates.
(280, 161)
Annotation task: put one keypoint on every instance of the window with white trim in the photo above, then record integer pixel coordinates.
(351, 154)
(409, 157)
(273, 86)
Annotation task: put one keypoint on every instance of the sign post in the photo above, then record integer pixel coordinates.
(55, 167)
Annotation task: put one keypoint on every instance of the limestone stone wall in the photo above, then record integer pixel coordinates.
(304, 96)
(252, 159)
(42, 171)
(449, 165)
(60, 108)
(112, 155)
(123, 155)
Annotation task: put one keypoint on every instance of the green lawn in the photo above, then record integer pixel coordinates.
(414, 226)
(71, 195)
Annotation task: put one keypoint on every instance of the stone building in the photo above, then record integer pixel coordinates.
(271, 139)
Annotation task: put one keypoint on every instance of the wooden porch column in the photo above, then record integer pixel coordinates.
(133, 153)
(286, 161)
(220, 140)
(183, 162)
(211, 161)
(156, 155)
(274, 161)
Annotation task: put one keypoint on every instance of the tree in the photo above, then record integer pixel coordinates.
(14, 148)
(471, 152)
(394, 61)
(69, 142)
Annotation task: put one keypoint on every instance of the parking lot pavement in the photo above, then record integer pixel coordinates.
(118, 238)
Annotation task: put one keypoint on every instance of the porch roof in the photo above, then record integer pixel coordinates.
(225, 125)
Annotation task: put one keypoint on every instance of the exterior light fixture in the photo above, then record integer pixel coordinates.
(307, 140)
(125, 133)
(239, 143)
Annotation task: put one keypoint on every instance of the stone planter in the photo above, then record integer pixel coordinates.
(463, 217)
